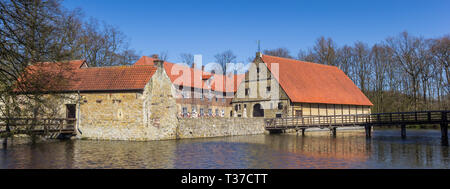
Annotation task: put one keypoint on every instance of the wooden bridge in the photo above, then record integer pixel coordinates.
(32, 126)
(366, 120)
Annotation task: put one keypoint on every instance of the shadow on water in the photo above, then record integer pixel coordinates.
(386, 149)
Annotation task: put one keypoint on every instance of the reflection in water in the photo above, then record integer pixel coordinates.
(386, 149)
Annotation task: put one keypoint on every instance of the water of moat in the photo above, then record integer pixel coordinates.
(386, 149)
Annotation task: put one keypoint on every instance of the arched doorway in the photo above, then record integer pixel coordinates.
(258, 111)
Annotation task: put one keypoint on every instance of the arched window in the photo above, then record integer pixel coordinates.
(258, 111)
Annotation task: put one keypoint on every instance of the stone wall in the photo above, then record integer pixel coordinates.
(216, 127)
(114, 116)
(144, 115)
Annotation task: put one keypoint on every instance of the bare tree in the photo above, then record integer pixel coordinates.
(409, 52)
(164, 55)
(325, 51)
(280, 52)
(361, 67)
(380, 62)
(306, 56)
(103, 45)
(440, 50)
(31, 32)
(187, 58)
(225, 58)
(345, 58)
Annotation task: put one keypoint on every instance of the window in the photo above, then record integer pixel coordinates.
(217, 112)
(185, 112)
(194, 109)
(202, 112)
(247, 92)
(236, 107)
(71, 111)
(257, 73)
(280, 105)
(268, 89)
(245, 105)
(210, 112)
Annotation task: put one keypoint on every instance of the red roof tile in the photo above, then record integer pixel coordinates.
(114, 78)
(315, 83)
(191, 77)
(78, 78)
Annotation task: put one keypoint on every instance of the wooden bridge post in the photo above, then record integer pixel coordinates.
(444, 126)
(444, 130)
(368, 129)
(403, 127)
(333, 131)
(5, 142)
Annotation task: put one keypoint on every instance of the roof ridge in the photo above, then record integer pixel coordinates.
(301, 61)
(121, 66)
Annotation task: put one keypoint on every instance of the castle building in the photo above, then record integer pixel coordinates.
(117, 102)
(282, 87)
(199, 93)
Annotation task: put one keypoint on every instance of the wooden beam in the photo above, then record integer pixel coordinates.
(368, 129)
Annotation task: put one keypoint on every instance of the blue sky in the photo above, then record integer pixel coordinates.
(210, 27)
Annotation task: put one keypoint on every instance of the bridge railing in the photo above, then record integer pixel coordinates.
(410, 117)
(39, 125)
(360, 119)
(312, 121)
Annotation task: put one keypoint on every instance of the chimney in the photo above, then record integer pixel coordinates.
(155, 56)
(193, 65)
(203, 68)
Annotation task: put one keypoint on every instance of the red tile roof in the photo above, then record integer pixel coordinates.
(315, 83)
(71, 76)
(191, 77)
(113, 78)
